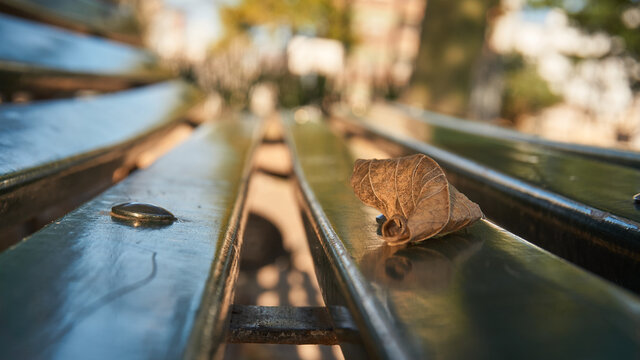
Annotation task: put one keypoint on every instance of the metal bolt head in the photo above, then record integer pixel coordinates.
(142, 214)
(380, 219)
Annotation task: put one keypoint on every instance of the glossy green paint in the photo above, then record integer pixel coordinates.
(603, 185)
(56, 155)
(96, 17)
(481, 293)
(599, 241)
(87, 286)
(33, 48)
(46, 137)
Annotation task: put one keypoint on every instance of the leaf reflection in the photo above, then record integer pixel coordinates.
(429, 265)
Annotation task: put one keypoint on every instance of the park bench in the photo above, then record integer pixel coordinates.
(86, 285)
(572, 200)
(48, 62)
(100, 18)
(102, 283)
(41, 139)
(479, 293)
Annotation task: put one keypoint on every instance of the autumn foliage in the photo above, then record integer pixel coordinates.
(414, 195)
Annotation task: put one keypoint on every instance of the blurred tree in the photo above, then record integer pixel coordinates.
(525, 92)
(235, 64)
(451, 43)
(453, 50)
(618, 18)
(322, 18)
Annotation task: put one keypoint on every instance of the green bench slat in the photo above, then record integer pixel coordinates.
(480, 293)
(89, 287)
(49, 149)
(617, 156)
(95, 17)
(570, 203)
(33, 55)
(600, 184)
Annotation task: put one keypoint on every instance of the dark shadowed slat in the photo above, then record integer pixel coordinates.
(102, 18)
(481, 293)
(43, 59)
(52, 150)
(90, 287)
(577, 206)
(292, 325)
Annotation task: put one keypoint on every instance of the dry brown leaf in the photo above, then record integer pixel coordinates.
(414, 195)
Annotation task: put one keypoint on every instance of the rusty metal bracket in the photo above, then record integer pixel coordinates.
(291, 325)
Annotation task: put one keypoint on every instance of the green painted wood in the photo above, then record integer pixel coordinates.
(612, 155)
(90, 287)
(102, 18)
(604, 185)
(481, 293)
(49, 149)
(563, 198)
(40, 58)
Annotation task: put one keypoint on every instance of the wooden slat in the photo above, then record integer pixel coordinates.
(45, 60)
(90, 287)
(565, 200)
(479, 293)
(612, 155)
(96, 17)
(53, 150)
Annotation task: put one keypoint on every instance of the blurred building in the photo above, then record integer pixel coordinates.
(505, 61)
(180, 31)
(308, 55)
(387, 38)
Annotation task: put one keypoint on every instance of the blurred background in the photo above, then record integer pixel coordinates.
(566, 70)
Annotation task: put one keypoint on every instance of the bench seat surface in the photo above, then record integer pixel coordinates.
(479, 293)
(31, 47)
(44, 136)
(575, 201)
(604, 185)
(87, 286)
(107, 19)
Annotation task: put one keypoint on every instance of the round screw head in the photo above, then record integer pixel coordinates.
(142, 214)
